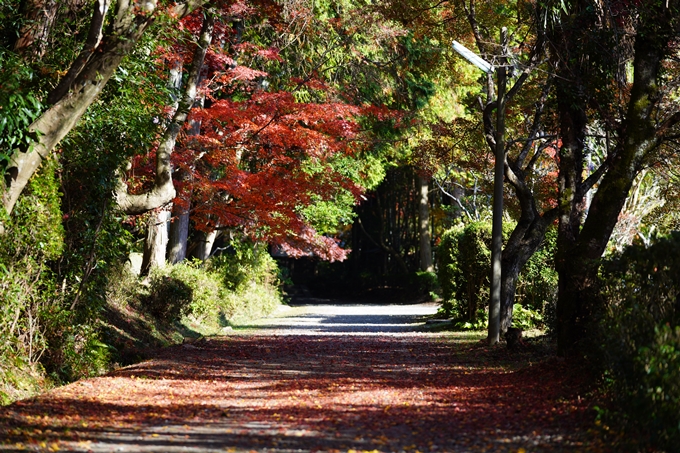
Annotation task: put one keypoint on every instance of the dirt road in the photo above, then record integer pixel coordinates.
(347, 378)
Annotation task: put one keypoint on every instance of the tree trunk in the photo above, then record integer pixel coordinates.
(525, 239)
(130, 21)
(156, 241)
(205, 244)
(424, 223)
(179, 233)
(164, 189)
(580, 248)
(39, 18)
(179, 224)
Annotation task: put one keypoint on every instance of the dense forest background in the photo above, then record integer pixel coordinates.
(171, 169)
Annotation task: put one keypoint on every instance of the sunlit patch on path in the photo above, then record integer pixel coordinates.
(329, 391)
(346, 319)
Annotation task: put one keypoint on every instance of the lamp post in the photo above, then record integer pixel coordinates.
(499, 168)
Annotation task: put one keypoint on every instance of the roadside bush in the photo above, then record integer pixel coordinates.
(250, 302)
(75, 350)
(244, 263)
(240, 285)
(464, 257)
(641, 338)
(26, 282)
(185, 289)
(536, 289)
(169, 298)
(427, 283)
(251, 279)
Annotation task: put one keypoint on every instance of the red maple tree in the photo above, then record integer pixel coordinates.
(251, 159)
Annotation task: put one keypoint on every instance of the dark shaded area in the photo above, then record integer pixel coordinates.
(384, 241)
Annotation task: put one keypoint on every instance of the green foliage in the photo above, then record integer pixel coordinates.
(18, 106)
(182, 290)
(448, 269)
(245, 263)
(428, 283)
(250, 276)
(464, 258)
(239, 285)
(169, 298)
(525, 318)
(74, 349)
(537, 285)
(26, 283)
(641, 342)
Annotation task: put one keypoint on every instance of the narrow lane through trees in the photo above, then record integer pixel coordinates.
(331, 378)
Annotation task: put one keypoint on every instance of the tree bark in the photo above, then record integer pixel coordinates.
(179, 234)
(92, 42)
(131, 20)
(525, 239)
(424, 224)
(205, 244)
(581, 247)
(39, 18)
(156, 241)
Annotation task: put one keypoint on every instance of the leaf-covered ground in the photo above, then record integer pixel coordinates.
(319, 391)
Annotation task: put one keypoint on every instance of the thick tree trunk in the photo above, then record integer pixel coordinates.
(131, 20)
(179, 228)
(523, 243)
(179, 224)
(205, 245)
(580, 248)
(424, 225)
(179, 233)
(156, 241)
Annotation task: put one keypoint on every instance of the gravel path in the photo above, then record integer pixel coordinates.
(313, 316)
(314, 378)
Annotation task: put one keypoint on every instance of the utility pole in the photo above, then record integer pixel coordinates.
(499, 173)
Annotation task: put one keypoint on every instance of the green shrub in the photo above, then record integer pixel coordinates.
(250, 302)
(26, 282)
(237, 286)
(185, 289)
(75, 350)
(251, 279)
(427, 283)
(536, 290)
(525, 318)
(447, 267)
(464, 258)
(641, 338)
(169, 298)
(245, 262)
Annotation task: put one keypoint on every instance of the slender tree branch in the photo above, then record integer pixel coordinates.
(94, 38)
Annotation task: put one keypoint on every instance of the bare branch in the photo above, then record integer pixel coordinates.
(454, 198)
(536, 123)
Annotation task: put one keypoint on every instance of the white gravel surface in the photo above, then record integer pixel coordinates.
(319, 317)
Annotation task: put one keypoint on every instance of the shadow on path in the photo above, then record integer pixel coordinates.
(343, 391)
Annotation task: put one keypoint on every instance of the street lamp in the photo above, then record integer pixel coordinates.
(499, 168)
